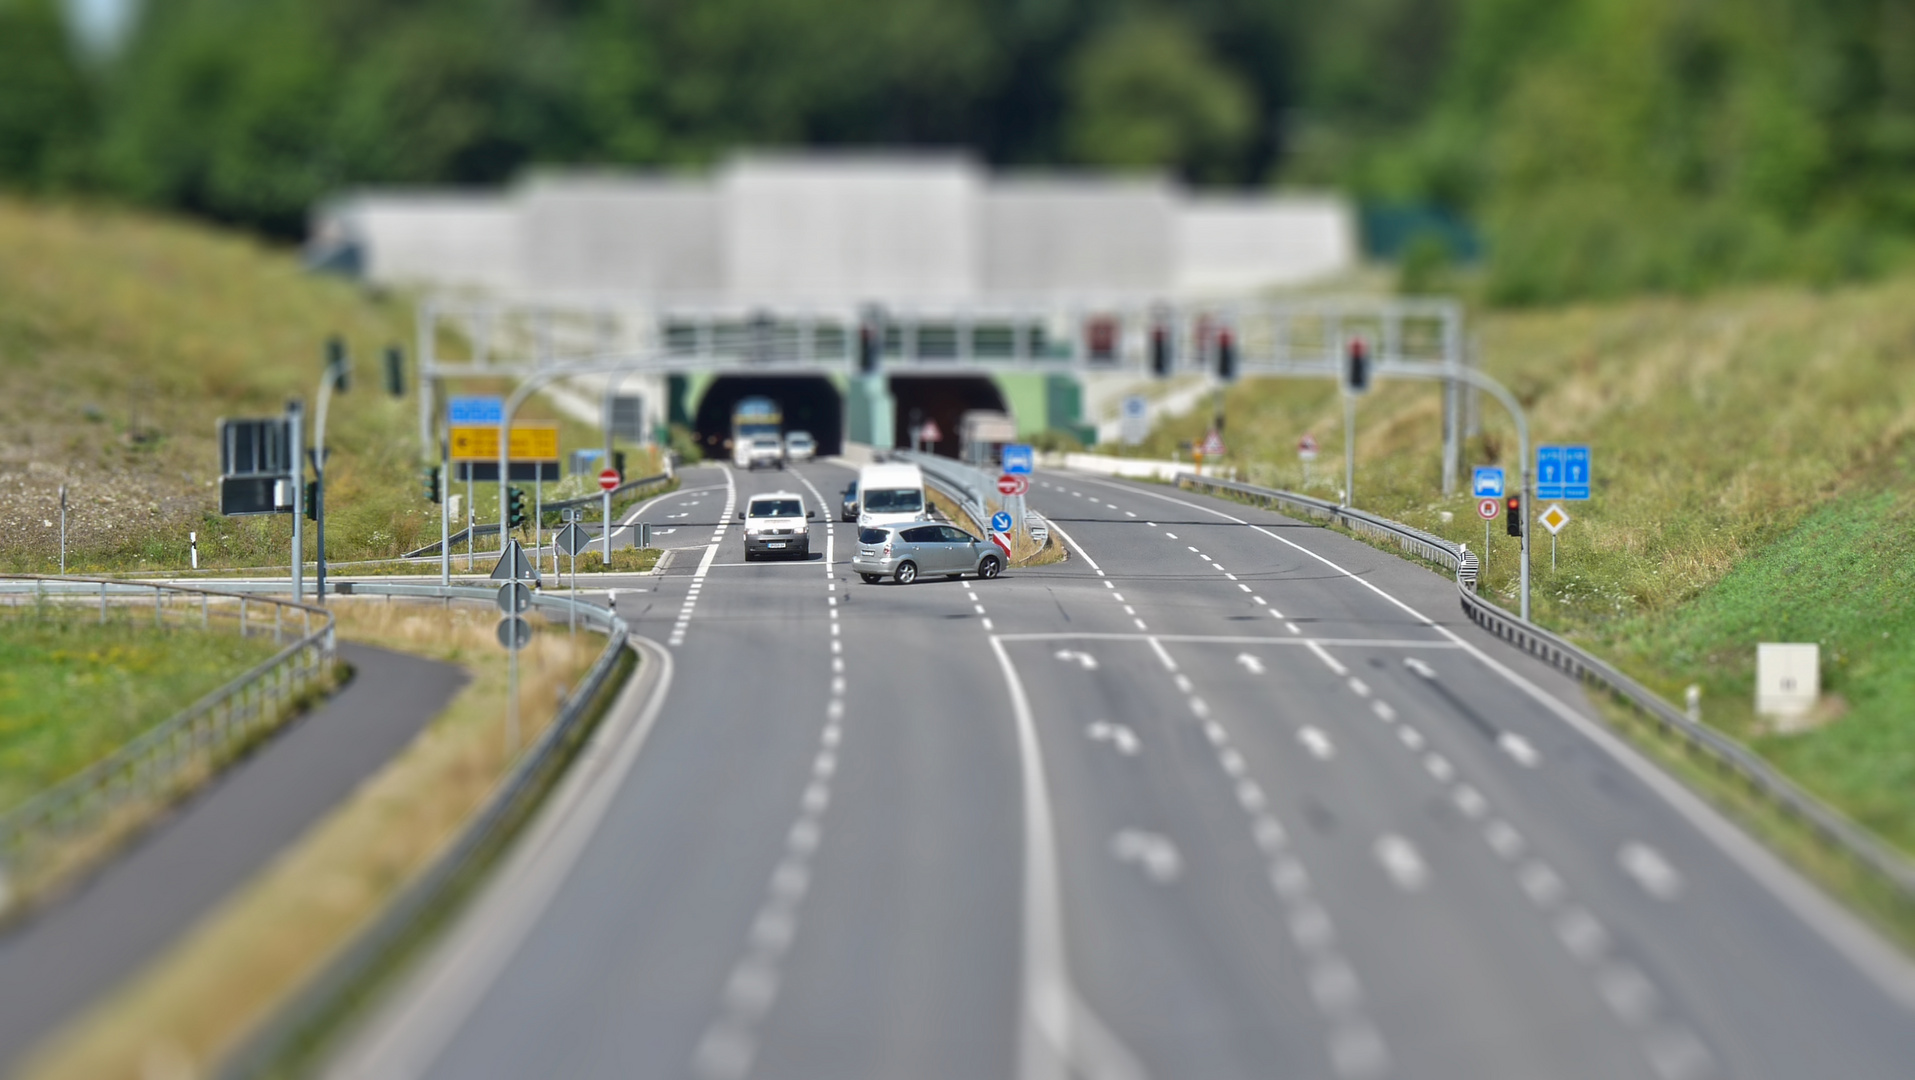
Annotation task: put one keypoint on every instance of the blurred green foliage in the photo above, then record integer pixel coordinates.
(1602, 146)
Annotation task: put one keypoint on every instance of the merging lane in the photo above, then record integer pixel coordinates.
(1223, 795)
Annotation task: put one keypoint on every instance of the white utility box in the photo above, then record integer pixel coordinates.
(1788, 679)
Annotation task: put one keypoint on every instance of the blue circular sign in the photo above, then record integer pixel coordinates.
(1001, 521)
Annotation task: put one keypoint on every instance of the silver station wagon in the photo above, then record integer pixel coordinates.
(906, 551)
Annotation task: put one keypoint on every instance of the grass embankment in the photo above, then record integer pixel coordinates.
(1752, 472)
(124, 337)
(227, 975)
(74, 689)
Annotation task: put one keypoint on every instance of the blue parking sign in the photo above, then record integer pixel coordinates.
(1487, 482)
(1576, 472)
(1018, 459)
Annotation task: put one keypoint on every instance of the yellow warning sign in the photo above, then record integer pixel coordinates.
(529, 442)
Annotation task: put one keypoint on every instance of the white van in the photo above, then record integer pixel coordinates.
(890, 494)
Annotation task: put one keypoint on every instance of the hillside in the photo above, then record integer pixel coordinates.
(1753, 476)
(124, 337)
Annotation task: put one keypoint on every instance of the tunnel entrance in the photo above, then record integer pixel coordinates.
(807, 402)
(943, 398)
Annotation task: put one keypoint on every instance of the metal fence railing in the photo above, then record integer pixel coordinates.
(328, 995)
(162, 761)
(1724, 755)
(971, 488)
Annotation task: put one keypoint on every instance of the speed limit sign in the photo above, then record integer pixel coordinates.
(1488, 508)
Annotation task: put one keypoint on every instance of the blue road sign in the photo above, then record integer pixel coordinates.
(1001, 522)
(1487, 482)
(475, 410)
(1576, 472)
(1562, 472)
(1018, 459)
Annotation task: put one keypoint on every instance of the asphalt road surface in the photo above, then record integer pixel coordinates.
(1224, 795)
(79, 949)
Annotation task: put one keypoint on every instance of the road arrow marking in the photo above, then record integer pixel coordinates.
(1518, 747)
(1116, 734)
(1419, 667)
(1250, 663)
(1083, 659)
(1156, 855)
(1317, 742)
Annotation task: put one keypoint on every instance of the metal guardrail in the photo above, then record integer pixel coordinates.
(1729, 758)
(593, 499)
(973, 490)
(331, 993)
(161, 761)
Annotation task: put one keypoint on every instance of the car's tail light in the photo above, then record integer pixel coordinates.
(887, 549)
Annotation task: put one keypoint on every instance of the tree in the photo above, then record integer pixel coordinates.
(1146, 92)
(46, 103)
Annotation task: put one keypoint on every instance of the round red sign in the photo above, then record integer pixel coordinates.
(608, 479)
(1488, 508)
(1012, 485)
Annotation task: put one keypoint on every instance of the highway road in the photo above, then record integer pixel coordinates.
(1224, 795)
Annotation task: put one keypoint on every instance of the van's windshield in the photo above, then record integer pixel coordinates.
(893, 501)
(777, 508)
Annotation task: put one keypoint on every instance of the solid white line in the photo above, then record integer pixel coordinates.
(1048, 1044)
(1330, 661)
(1840, 928)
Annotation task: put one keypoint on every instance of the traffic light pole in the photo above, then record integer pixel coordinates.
(1349, 448)
(296, 439)
(445, 512)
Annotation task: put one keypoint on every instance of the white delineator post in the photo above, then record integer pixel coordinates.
(192, 540)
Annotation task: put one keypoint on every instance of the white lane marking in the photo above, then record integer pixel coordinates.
(1290, 626)
(1232, 761)
(1329, 661)
(1117, 596)
(1058, 1030)
(1139, 623)
(1156, 854)
(1081, 659)
(1518, 747)
(1411, 737)
(1130, 513)
(1676, 1054)
(1124, 739)
(1503, 838)
(1651, 870)
(1128, 610)
(988, 625)
(1240, 585)
(1163, 655)
(1184, 685)
(1582, 935)
(1541, 883)
(1419, 667)
(1627, 992)
(1439, 768)
(1470, 801)
(1317, 743)
(1250, 663)
(1200, 708)
(1359, 687)
(1192, 549)
(1402, 862)
(1260, 600)
(1250, 796)
(1383, 711)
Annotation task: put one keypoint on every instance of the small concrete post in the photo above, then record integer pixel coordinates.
(1692, 699)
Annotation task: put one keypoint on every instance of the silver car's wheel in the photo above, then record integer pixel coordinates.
(871, 579)
(988, 568)
(907, 573)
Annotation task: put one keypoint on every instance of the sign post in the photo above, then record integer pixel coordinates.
(512, 572)
(573, 540)
(1486, 483)
(1307, 453)
(1554, 519)
(608, 481)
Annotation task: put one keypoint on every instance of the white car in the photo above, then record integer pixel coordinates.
(763, 450)
(777, 523)
(799, 446)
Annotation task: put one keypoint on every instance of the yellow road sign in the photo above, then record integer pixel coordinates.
(1555, 518)
(529, 442)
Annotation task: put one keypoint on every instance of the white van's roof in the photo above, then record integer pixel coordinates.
(890, 475)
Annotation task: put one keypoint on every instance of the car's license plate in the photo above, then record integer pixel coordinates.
(868, 553)
(774, 543)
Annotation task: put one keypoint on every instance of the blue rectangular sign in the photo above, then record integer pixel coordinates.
(1576, 472)
(1487, 482)
(1018, 459)
(1562, 472)
(1549, 472)
(466, 411)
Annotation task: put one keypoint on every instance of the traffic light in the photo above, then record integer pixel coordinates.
(1226, 356)
(618, 463)
(432, 483)
(1513, 515)
(515, 507)
(1160, 351)
(312, 500)
(338, 365)
(867, 349)
(1356, 377)
(395, 371)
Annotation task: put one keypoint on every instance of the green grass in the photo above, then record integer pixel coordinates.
(1752, 467)
(125, 337)
(73, 691)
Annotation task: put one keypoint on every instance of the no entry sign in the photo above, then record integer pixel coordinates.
(608, 479)
(1012, 485)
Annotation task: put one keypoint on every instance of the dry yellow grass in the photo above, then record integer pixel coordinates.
(196, 1001)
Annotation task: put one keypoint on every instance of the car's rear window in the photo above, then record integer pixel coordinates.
(873, 536)
(777, 508)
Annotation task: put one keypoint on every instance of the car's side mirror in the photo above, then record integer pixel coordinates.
(741, 515)
(809, 514)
